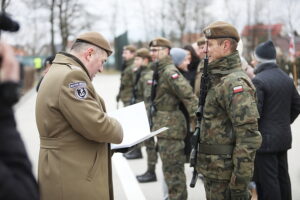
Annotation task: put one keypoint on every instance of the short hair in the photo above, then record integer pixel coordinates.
(233, 43)
(80, 46)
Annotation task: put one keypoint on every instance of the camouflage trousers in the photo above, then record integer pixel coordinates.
(216, 189)
(172, 155)
(151, 154)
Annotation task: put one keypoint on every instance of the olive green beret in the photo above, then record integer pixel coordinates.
(201, 41)
(130, 48)
(160, 42)
(144, 53)
(96, 39)
(221, 29)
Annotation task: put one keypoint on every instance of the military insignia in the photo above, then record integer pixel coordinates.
(238, 89)
(81, 92)
(80, 89)
(149, 82)
(77, 84)
(175, 76)
(207, 32)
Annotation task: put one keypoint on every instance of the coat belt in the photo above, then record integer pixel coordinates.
(216, 149)
(50, 143)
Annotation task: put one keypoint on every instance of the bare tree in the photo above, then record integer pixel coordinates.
(4, 4)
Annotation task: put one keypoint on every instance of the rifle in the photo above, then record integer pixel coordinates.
(152, 109)
(199, 114)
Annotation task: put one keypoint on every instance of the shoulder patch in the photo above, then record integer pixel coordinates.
(238, 89)
(80, 91)
(77, 84)
(175, 76)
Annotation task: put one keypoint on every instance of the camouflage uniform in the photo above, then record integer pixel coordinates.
(229, 130)
(127, 81)
(172, 89)
(143, 94)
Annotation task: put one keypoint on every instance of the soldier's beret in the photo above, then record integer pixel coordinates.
(144, 53)
(160, 42)
(201, 41)
(130, 48)
(221, 29)
(96, 39)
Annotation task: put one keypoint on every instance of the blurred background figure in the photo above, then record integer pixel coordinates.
(16, 177)
(47, 64)
(192, 66)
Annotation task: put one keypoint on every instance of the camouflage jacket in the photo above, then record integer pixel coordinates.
(127, 79)
(229, 122)
(172, 89)
(144, 85)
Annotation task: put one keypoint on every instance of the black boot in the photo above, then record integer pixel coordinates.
(148, 176)
(134, 154)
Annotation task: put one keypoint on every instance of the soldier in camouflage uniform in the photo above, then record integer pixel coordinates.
(125, 92)
(143, 92)
(126, 86)
(201, 45)
(172, 88)
(229, 132)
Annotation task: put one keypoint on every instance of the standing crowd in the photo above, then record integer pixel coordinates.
(245, 129)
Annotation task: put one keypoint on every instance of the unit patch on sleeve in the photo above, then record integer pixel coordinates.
(238, 89)
(80, 89)
(175, 76)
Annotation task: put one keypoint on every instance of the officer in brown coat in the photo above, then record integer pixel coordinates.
(75, 131)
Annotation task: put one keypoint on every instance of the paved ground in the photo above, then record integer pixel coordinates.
(125, 184)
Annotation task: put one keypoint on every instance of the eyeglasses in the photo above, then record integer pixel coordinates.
(157, 49)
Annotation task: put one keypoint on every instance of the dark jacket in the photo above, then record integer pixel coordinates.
(278, 105)
(16, 178)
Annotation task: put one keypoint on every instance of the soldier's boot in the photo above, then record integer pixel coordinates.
(148, 176)
(134, 154)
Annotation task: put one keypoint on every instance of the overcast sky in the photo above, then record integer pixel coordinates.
(130, 16)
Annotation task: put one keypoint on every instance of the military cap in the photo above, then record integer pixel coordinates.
(160, 42)
(221, 29)
(96, 39)
(144, 53)
(130, 48)
(201, 41)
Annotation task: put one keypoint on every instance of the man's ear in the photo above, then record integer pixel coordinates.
(227, 45)
(88, 53)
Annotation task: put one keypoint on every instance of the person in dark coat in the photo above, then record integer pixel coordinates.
(192, 67)
(279, 106)
(16, 179)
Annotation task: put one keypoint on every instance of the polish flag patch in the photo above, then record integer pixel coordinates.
(175, 76)
(238, 89)
(149, 82)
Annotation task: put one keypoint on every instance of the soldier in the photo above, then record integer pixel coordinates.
(126, 87)
(127, 75)
(229, 132)
(143, 91)
(172, 88)
(201, 45)
(75, 132)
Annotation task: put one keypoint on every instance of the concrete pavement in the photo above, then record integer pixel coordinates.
(124, 172)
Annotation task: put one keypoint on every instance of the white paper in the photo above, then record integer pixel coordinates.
(135, 125)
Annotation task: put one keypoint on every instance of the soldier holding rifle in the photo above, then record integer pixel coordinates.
(228, 135)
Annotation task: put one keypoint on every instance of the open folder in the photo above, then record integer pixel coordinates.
(135, 125)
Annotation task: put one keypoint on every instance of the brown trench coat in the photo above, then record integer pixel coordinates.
(75, 132)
